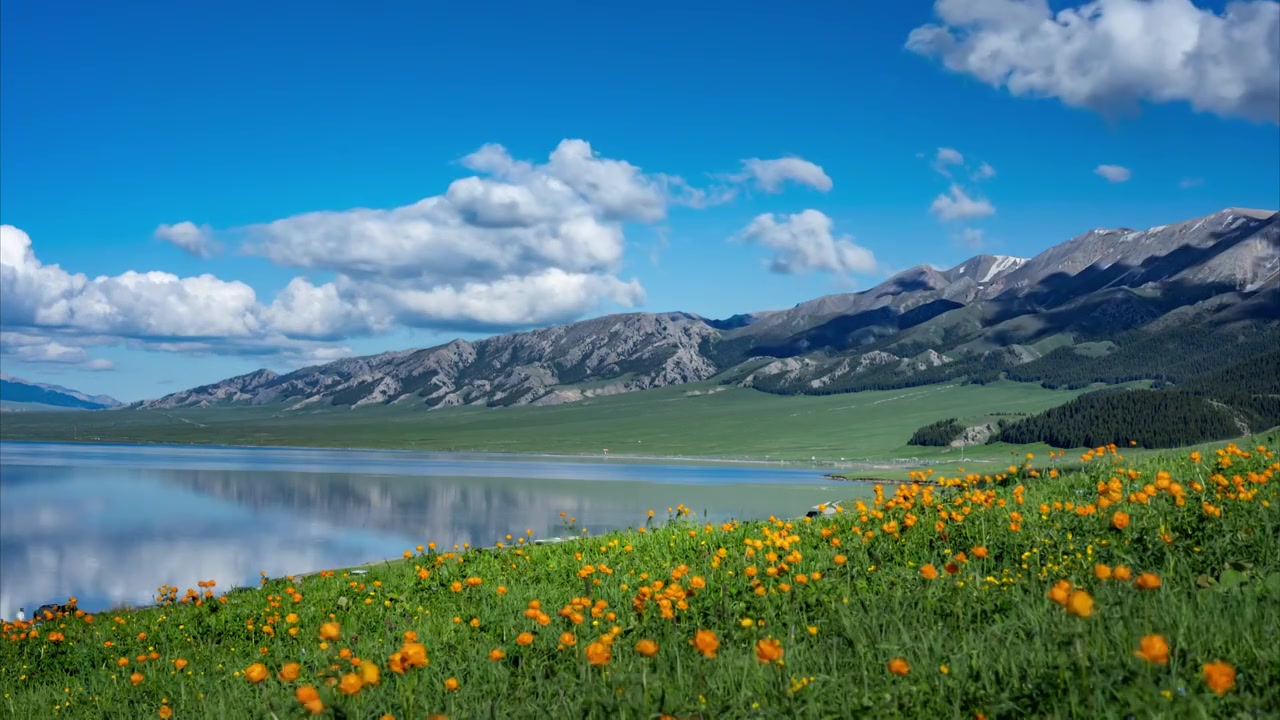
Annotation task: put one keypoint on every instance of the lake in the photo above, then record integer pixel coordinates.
(110, 523)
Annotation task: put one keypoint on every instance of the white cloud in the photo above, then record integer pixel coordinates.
(984, 172)
(30, 348)
(948, 156)
(973, 238)
(956, 204)
(1187, 183)
(1114, 173)
(1112, 55)
(525, 244)
(771, 175)
(803, 243)
(195, 239)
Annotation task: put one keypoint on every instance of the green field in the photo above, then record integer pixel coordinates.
(721, 422)
(1128, 589)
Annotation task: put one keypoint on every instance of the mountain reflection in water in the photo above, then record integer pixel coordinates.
(109, 524)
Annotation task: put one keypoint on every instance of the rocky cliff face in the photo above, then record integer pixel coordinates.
(618, 353)
(1103, 281)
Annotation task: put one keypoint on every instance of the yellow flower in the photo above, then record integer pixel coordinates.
(369, 673)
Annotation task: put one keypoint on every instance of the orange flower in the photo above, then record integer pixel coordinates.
(414, 654)
(1080, 604)
(1120, 520)
(840, 559)
(1102, 572)
(769, 650)
(497, 654)
(256, 673)
(330, 631)
(1121, 573)
(598, 653)
(290, 671)
(899, 667)
(136, 678)
(1154, 649)
(1219, 676)
(166, 712)
(707, 643)
(568, 639)
(1060, 592)
(980, 552)
(370, 674)
(951, 568)
(451, 684)
(929, 572)
(524, 638)
(350, 684)
(647, 648)
(309, 697)
(1148, 581)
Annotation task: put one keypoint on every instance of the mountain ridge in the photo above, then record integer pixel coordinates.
(990, 311)
(20, 394)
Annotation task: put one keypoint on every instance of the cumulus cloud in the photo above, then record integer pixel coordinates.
(1114, 173)
(804, 243)
(1112, 55)
(195, 239)
(956, 204)
(517, 245)
(51, 315)
(771, 175)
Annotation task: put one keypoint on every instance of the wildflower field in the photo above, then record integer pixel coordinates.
(1120, 589)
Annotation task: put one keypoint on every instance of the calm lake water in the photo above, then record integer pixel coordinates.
(110, 523)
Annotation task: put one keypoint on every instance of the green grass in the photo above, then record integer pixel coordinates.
(987, 639)
(732, 423)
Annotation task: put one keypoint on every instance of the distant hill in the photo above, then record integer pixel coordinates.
(1109, 305)
(17, 394)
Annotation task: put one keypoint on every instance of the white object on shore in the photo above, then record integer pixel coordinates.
(22, 614)
(823, 509)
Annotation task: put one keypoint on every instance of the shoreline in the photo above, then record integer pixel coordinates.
(599, 457)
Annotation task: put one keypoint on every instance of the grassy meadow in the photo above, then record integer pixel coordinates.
(1124, 589)
(719, 422)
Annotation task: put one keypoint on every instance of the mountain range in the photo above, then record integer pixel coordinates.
(19, 394)
(1104, 303)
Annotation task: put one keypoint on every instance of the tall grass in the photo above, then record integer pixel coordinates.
(1018, 594)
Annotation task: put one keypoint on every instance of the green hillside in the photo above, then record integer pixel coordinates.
(719, 421)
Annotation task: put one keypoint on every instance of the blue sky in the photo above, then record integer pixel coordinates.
(118, 120)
